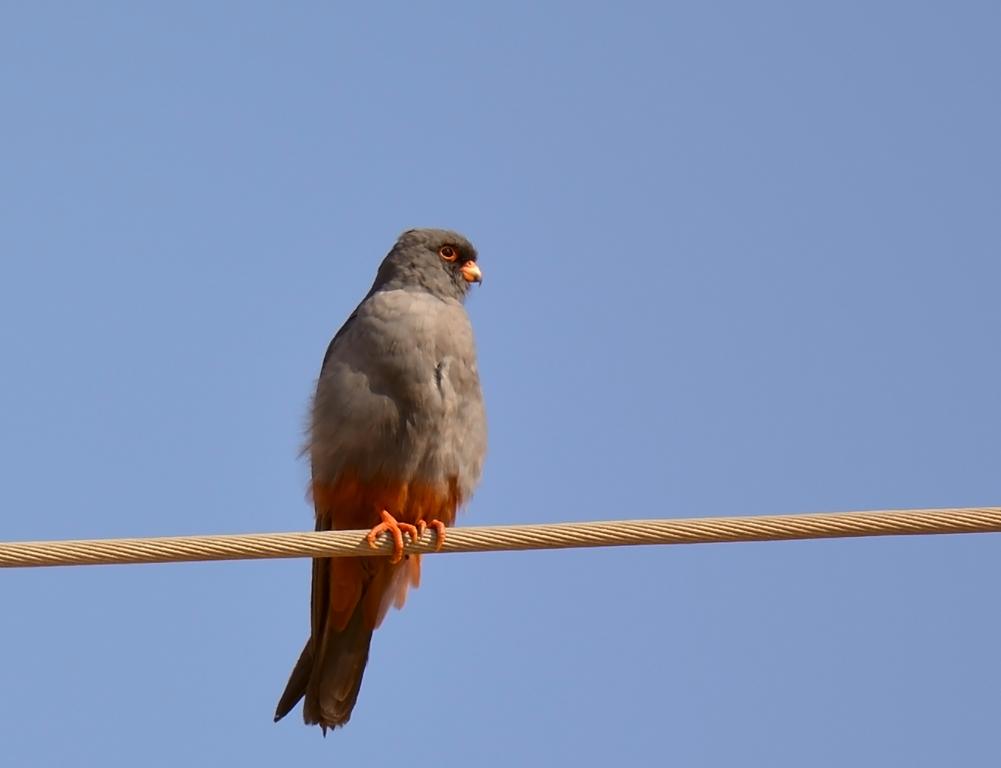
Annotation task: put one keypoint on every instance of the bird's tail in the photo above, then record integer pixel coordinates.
(350, 597)
(331, 681)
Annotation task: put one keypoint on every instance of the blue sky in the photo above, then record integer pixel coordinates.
(739, 258)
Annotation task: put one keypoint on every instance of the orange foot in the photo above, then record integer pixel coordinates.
(439, 529)
(396, 530)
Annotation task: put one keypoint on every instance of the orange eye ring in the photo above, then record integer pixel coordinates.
(448, 253)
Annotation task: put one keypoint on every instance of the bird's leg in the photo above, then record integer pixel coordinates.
(396, 529)
(439, 529)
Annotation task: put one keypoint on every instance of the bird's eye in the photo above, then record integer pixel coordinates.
(448, 253)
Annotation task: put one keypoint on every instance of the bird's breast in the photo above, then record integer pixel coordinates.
(400, 395)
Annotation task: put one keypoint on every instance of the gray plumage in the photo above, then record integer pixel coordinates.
(398, 401)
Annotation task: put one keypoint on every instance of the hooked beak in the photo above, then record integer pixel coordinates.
(471, 273)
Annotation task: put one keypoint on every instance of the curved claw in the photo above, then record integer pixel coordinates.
(439, 529)
(396, 529)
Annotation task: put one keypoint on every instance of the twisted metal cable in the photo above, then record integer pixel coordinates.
(905, 522)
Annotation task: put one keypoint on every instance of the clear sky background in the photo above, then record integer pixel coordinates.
(740, 258)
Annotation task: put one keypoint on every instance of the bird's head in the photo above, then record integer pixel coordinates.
(438, 261)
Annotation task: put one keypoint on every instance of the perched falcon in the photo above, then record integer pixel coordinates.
(396, 442)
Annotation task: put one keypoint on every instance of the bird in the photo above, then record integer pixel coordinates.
(396, 441)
